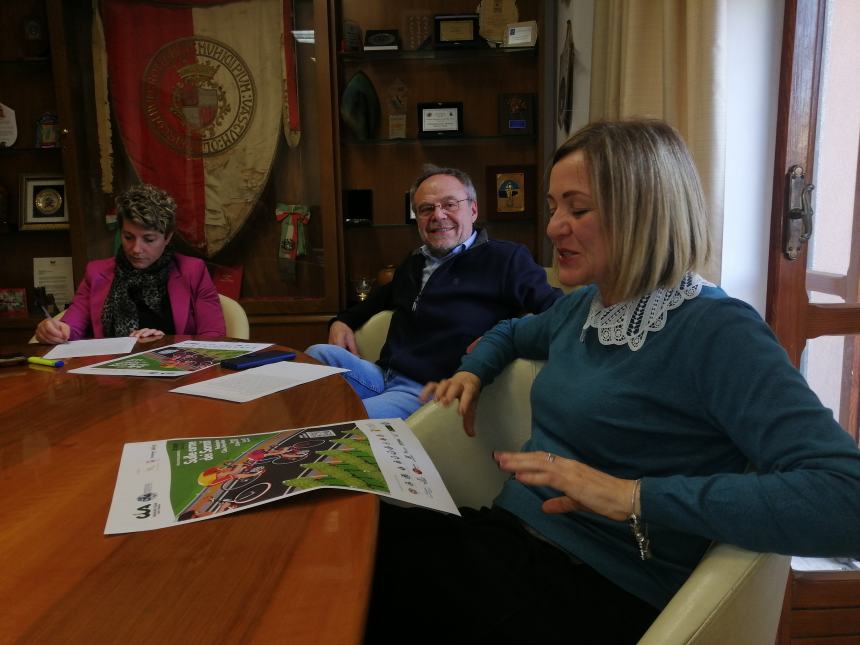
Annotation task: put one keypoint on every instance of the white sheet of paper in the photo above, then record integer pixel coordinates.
(253, 383)
(94, 347)
(824, 564)
(55, 274)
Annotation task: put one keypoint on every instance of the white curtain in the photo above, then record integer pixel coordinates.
(666, 59)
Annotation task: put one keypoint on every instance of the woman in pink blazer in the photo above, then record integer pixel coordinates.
(146, 290)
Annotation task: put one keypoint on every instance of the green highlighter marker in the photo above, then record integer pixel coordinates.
(36, 360)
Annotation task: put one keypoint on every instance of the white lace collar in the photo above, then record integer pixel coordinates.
(628, 323)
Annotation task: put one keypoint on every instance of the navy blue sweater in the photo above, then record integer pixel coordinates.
(465, 296)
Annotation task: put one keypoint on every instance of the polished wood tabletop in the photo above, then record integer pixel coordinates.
(297, 570)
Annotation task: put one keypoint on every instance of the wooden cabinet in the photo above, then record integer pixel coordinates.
(38, 42)
(475, 77)
(821, 607)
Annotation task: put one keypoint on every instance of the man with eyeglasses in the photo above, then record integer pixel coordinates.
(445, 295)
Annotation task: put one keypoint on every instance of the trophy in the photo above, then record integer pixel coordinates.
(363, 287)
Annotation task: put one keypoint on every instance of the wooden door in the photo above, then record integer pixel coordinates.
(812, 302)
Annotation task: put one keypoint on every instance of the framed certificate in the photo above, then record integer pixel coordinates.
(458, 30)
(43, 203)
(440, 119)
(521, 34)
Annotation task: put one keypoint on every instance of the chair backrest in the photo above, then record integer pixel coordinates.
(33, 340)
(503, 421)
(370, 337)
(733, 595)
(235, 318)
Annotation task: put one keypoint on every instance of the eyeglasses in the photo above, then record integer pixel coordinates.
(449, 207)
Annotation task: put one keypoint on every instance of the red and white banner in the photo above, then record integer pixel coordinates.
(197, 93)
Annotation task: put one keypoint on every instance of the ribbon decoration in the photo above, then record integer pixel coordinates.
(294, 218)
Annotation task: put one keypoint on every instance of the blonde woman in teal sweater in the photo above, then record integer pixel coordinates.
(663, 403)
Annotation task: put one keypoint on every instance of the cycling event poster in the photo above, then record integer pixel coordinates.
(173, 360)
(168, 482)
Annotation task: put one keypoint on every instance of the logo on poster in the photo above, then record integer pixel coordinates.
(143, 511)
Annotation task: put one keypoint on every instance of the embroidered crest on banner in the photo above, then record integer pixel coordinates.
(199, 96)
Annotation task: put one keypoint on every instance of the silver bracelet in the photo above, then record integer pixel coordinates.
(638, 528)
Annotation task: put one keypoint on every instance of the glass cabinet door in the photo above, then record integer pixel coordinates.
(248, 156)
(289, 250)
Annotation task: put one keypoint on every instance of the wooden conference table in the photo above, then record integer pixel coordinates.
(291, 571)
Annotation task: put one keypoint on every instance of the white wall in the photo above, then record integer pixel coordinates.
(754, 41)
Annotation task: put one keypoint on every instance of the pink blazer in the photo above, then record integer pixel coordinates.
(193, 299)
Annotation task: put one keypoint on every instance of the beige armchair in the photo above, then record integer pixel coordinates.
(733, 596)
(370, 337)
(235, 318)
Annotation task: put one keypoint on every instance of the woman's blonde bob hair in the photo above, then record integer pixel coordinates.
(649, 202)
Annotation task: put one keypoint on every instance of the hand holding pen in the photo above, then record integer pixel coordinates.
(52, 332)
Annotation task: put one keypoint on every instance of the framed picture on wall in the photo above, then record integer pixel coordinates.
(440, 119)
(511, 193)
(408, 213)
(565, 82)
(516, 114)
(42, 203)
(13, 303)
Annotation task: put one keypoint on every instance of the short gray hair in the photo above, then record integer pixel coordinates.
(430, 170)
(147, 206)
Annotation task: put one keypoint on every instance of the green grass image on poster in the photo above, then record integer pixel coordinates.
(355, 471)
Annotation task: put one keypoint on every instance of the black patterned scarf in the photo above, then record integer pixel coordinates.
(131, 286)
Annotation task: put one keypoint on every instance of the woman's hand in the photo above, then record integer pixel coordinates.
(53, 332)
(584, 488)
(464, 386)
(341, 334)
(147, 333)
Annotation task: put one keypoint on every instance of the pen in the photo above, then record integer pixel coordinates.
(48, 316)
(38, 360)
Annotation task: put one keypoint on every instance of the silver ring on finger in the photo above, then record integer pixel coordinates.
(550, 457)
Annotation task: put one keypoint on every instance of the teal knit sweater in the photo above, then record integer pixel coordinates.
(703, 398)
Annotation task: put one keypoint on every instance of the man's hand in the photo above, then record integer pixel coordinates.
(53, 332)
(464, 386)
(341, 334)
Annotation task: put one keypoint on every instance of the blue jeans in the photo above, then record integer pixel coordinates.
(385, 393)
